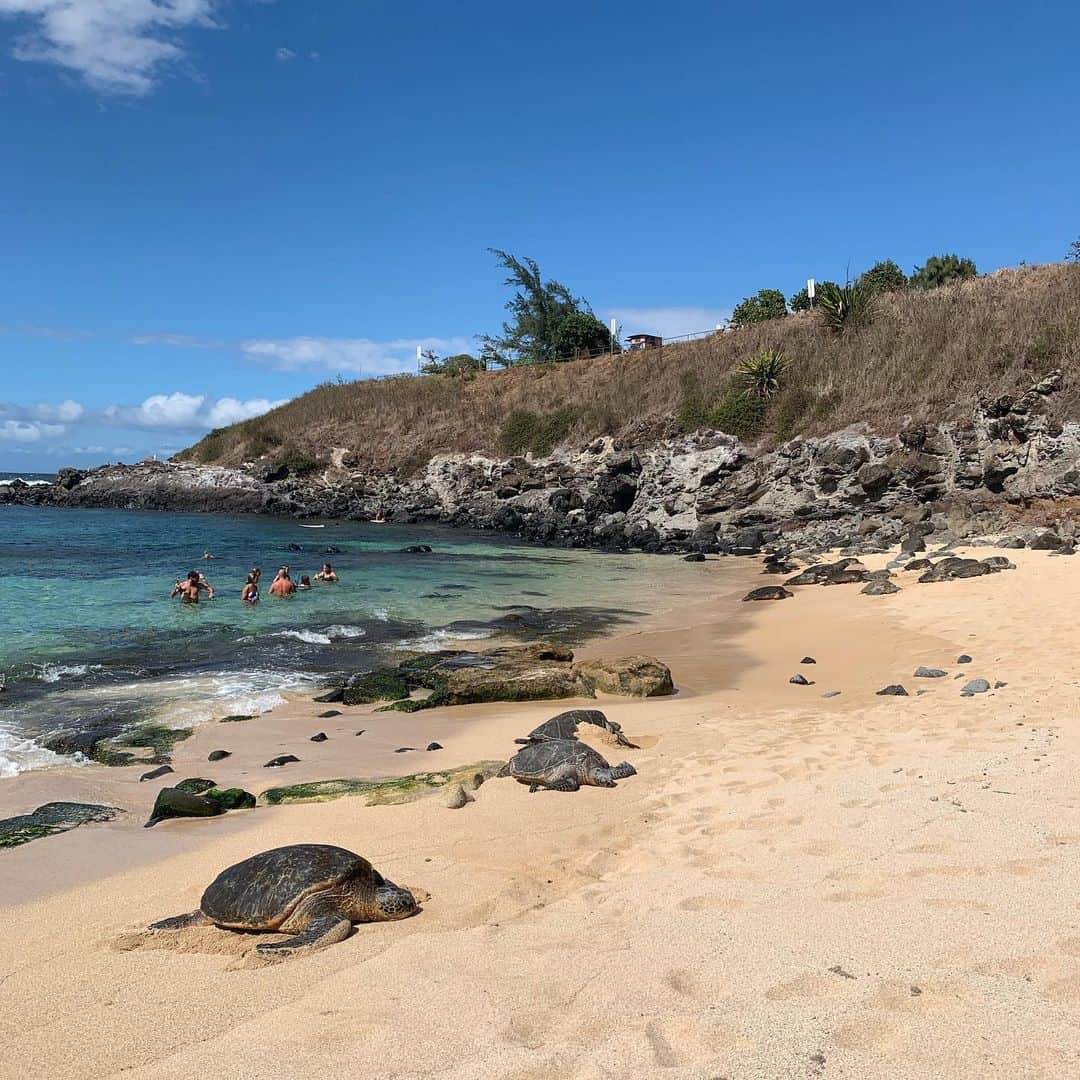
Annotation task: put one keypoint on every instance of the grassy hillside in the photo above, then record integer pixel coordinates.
(924, 356)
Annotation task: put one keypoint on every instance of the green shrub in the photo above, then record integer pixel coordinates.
(801, 300)
(738, 414)
(761, 375)
(884, 276)
(1050, 345)
(539, 433)
(764, 305)
(797, 409)
(941, 270)
(842, 307)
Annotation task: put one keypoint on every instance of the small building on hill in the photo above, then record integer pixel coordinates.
(644, 341)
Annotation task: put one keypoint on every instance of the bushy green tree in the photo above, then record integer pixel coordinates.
(459, 364)
(884, 276)
(1073, 254)
(581, 333)
(543, 317)
(942, 270)
(764, 305)
(801, 300)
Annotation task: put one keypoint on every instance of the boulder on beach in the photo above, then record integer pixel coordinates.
(366, 688)
(174, 803)
(879, 587)
(283, 759)
(929, 673)
(629, 676)
(53, 817)
(893, 690)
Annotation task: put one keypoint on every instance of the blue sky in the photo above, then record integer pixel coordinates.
(209, 206)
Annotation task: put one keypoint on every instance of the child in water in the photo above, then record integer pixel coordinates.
(250, 592)
(305, 582)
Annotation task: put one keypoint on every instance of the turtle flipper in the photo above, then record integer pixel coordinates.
(182, 922)
(623, 770)
(565, 783)
(325, 930)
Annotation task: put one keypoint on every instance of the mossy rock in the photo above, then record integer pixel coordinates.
(232, 798)
(236, 718)
(385, 684)
(382, 791)
(51, 818)
(196, 785)
(154, 737)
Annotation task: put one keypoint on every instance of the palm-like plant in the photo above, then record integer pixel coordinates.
(761, 375)
(841, 307)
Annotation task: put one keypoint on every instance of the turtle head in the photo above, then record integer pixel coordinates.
(393, 902)
(607, 777)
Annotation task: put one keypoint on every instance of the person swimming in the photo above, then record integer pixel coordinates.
(256, 573)
(283, 584)
(326, 573)
(207, 555)
(305, 582)
(250, 593)
(188, 588)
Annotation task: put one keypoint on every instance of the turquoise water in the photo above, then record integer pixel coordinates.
(87, 627)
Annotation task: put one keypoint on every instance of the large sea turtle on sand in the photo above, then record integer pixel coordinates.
(563, 765)
(315, 892)
(565, 726)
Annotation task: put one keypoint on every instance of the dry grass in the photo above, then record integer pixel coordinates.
(924, 357)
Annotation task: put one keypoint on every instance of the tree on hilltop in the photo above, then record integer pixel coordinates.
(764, 305)
(941, 270)
(1073, 254)
(885, 276)
(801, 300)
(547, 322)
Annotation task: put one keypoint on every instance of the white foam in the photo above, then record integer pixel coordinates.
(19, 754)
(310, 636)
(51, 673)
(28, 483)
(435, 640)
(340, 631)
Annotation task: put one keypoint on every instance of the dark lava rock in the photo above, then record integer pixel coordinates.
(976, 686)
(879, 587)
(196, 785)
(874, 477)
(361, 731)
(284, 759)
(769, 592)
(999, 562)
(807, 660)
(694, 556)
(238, 718)
(434, 746)
(174, 803)
(404, 749)
(155, 773)
(331, 697)
(919, 564)
(895, 690)
(416, 549)
(963, 658)
(53, 817)
(1012, 542)
(1065, 549)
(913, 542)
(1046, 541)
(321, 737)
(800, 680)
(329, 712)
(929, 673)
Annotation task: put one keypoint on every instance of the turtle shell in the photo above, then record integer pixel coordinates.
(261, 892)
(565, 726)
(540, 759)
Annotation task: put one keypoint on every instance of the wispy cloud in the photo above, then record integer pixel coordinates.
(115, 46)
(285, 55)
(360, 356)
(669, 322)
(187, 412)
(28, 431)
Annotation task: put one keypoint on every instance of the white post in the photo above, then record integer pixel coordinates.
(614, 330)
(419, 359)
(811, 287)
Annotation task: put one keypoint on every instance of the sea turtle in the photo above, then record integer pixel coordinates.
(566, 724)
(563, 765)
(315, 892)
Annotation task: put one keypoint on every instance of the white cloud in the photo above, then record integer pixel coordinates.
(669, 322)
(66, 412)
(284, 55)
(116, 46)
(358, 355)
(28, 431)
(187, 411)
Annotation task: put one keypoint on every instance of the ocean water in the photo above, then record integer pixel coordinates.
(88, 633)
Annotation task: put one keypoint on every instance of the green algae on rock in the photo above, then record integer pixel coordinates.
(54, 817)
(383, 791)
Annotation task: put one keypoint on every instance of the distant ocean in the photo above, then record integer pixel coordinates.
(29, 477)
(89, 632)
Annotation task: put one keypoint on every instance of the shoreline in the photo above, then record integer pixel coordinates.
(880, 882)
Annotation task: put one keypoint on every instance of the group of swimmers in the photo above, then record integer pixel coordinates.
(188, 588)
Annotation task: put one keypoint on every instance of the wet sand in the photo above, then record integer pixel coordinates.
(857, 886)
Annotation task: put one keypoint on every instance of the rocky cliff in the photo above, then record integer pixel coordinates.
(1010, 467)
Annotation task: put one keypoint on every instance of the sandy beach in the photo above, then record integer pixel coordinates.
(792, 886)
